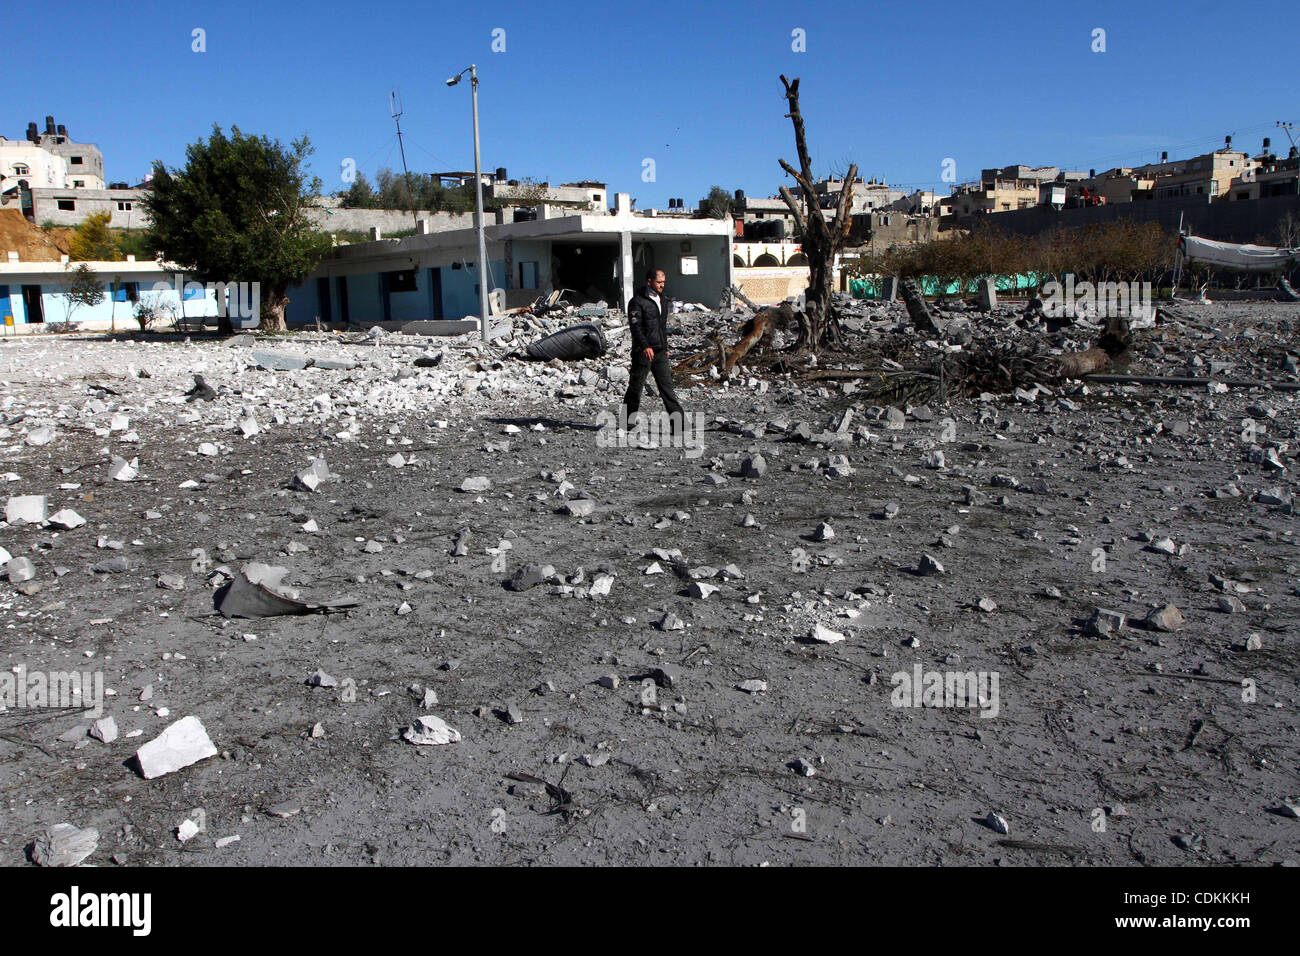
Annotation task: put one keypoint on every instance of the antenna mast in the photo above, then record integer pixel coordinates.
(395, 108)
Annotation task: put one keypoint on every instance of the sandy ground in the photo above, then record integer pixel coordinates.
(1139, 747)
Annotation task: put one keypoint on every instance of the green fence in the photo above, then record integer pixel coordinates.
(869, 287)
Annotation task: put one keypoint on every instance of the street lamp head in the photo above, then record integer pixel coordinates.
(453, 81)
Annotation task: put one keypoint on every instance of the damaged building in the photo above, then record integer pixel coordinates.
(434, 277)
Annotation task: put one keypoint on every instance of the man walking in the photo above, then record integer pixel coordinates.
(647, 315)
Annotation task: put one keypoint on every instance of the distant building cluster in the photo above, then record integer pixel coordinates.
(1224, 175)
(51, 178)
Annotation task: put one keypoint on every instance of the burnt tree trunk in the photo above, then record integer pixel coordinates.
(818, 327)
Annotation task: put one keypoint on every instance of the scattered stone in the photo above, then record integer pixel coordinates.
(530, 576)
(753, 467)
(929, 564)
(187, 831)
(997, 824)
(580, 507)
(1254, 642)
(802, 767)
(823, 532)
(1163, 546)
(1105, 623)
(671, 622)
(700, 590)
(1166, 618)
(20, 570)
(321, 679)
(104, 729)
(116, 565)
(479, 483)
(170, 581)
(608, 681)
(752, 686)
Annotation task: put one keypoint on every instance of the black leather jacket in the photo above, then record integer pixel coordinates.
(648, 323)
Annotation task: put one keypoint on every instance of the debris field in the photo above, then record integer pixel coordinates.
(391, 600)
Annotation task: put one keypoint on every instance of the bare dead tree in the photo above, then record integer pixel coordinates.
(818, 326)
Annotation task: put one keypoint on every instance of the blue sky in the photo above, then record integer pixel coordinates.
(592, 90)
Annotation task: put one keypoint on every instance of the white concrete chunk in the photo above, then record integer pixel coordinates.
(183, 743)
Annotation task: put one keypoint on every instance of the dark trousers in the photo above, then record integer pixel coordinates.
(663, 379)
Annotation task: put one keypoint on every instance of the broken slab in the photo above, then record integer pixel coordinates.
(280, 361)
(824, 635)
(184, 743)
(580, 507)
(310, 478)
(67, 519)
(64, 845)
(122, 470)
(430, 731)
(25, 509)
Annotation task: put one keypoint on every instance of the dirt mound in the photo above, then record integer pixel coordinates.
(32, 244)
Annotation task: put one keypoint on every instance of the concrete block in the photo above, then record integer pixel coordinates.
(184, 743)
(25, 509)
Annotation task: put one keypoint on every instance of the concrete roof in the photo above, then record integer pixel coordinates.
(589, 227)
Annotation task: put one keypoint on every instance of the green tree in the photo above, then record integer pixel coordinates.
(135, 242)
(358, 195)
(85, 289)
(718, 204)
(238, 212)
(93, 241)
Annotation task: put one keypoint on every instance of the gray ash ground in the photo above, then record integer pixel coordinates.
(1089, 730)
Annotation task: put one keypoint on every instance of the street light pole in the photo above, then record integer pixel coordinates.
(472, 70)
(478, 214)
